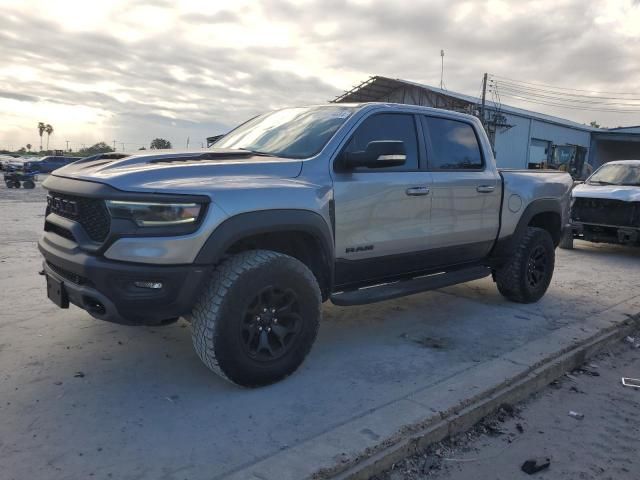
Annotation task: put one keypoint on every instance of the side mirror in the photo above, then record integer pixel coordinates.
(378, 154)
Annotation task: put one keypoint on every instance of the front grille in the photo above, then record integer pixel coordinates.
(70, 276)
(91, 213)
(606, 212)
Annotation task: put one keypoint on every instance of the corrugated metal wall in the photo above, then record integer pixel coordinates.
(512, 144)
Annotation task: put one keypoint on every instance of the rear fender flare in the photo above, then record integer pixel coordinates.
(506, 246)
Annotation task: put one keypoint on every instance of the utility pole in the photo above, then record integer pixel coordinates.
(114, 145)
(187, 143)
(67, 145)
(484, 97)
(441, 69)
(122, 145)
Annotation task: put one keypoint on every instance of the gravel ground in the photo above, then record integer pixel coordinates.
(80, 398)
(602, 445)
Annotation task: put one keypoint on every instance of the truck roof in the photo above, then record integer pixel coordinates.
(623, 162)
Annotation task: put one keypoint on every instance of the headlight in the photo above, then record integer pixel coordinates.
(147, 214)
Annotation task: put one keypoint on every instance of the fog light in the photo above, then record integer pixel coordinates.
(153, 285)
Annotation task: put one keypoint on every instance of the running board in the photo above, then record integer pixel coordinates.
(387, 291)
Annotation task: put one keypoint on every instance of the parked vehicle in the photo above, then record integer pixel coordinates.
(606, 207)
(17, 178)
(48, 164)
(11, 164)
(5, 160)
(349, 203)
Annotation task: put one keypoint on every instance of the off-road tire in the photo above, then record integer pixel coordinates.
(513, 280)
(566, 242)
(9, 183)
(219, 315)
(28, 184)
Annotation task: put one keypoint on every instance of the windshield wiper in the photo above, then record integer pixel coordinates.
(602, 182)
(259, 153)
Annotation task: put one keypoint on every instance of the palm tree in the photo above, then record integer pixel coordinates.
(41, 128)
(49, 129)
(29, 147)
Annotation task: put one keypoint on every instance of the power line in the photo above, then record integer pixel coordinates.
(563, 88)
(546, 95)
(546, 91)
(562, 99)
(573, 107)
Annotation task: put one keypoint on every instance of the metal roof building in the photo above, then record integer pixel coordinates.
(520, 138)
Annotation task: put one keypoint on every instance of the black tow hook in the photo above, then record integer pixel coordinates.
(41, 272)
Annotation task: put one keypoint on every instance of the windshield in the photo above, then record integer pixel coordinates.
(289, 133)
(617, 174)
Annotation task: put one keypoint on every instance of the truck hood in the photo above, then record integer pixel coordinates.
(181, 171)
(611, 192)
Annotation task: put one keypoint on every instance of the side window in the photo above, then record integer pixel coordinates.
(454, 145)
(387, 126)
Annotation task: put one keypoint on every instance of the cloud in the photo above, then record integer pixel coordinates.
(189, 71)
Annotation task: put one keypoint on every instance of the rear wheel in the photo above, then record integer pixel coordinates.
(527, 276)
(258, 317)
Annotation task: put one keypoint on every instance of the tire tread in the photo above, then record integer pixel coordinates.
(206, 312)
(509, 278)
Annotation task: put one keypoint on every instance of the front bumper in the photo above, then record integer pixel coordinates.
(106, 290)
(596, 232)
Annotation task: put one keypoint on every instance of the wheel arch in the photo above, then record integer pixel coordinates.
(545, 213)
(302, 234)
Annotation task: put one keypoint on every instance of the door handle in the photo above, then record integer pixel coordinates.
(417, 191)
(485, 188)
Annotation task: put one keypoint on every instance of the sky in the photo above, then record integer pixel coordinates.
(131, 71)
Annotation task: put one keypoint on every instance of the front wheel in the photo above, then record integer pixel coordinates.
(257, 318)
(566, 242)
(28, 184)
(527, 276)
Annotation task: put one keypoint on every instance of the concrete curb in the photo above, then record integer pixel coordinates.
(373, 442)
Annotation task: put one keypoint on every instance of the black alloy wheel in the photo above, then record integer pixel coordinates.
(537, 266)
(272, 324)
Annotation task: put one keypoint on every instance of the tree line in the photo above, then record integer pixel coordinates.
(100, 147)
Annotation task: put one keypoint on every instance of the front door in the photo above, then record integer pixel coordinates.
(382, 214)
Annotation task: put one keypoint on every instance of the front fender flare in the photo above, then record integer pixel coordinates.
(248, 224)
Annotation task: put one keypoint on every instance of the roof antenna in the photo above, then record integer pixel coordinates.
(442, 69)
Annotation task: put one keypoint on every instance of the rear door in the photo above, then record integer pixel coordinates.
(382, 214)
(465, 208)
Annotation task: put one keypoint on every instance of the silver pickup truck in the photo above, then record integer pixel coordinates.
(353, 203)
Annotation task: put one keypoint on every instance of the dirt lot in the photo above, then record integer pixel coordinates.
(604, 444)
(81, 398)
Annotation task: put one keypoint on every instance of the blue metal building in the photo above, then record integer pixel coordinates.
(520, 138)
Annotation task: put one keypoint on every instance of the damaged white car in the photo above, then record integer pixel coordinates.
(606, 207)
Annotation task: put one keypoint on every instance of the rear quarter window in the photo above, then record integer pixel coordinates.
(454, 145)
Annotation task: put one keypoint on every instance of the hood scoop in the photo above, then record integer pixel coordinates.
(210, 155)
